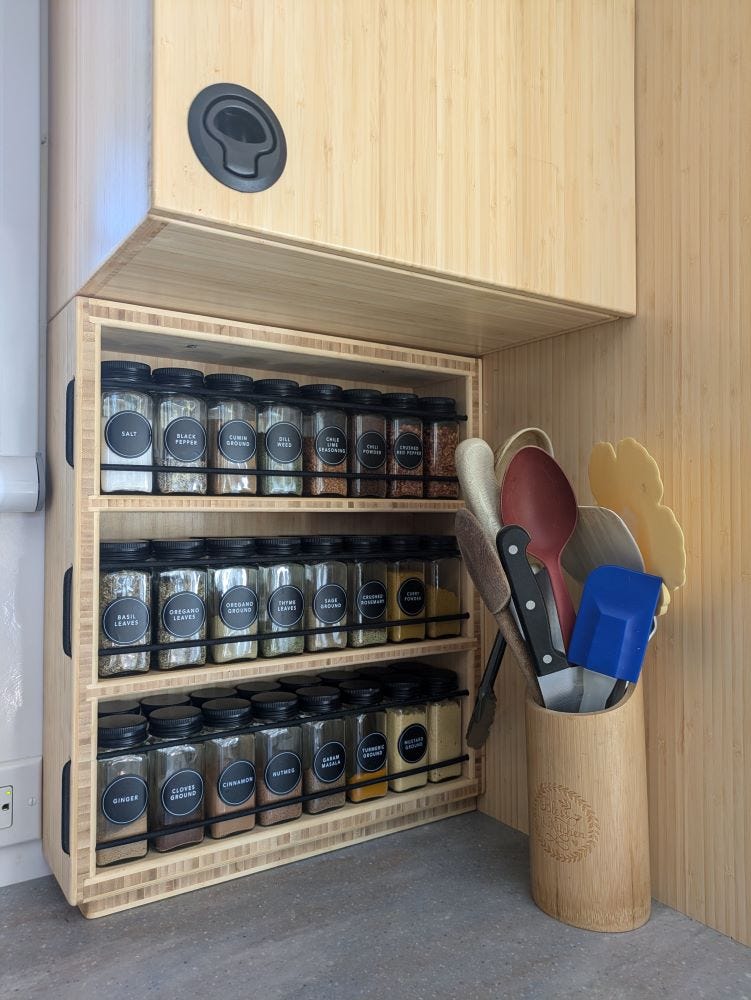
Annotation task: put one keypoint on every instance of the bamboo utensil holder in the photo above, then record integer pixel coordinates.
(589, 834)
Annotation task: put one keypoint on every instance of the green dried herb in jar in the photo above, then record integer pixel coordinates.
(180, 601)
(124, 606)
(233, 598)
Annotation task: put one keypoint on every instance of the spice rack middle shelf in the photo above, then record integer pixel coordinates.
(158, 504)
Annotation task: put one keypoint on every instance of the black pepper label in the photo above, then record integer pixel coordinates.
(185, 439)
(182, 792)
(331, 446)
(408, 450)
(329, 762)
(371, 752)
(237, 441)
(283, 443)
(238, 608)
(237, 783)
(128, 434)
(413, 743)
(282, 774)
(330, 604)
(371, 600)
(371, 450)
(126, 621)
(183, 614)
(125, 799)
(285, 606)
(411, 597)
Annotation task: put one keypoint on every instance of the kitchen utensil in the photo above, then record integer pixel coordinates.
(600, 538)
(522, 439)
(485, 703)
(474, 467)
(484, 567)
(612, 630)
(536, 495)
(560, 683)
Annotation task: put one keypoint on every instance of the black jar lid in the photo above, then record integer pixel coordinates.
(403, 543)
(126, 373)
(284, 545)
(152, 702)
(437, 683)
(132, 551)
(323, 545)
(403, 688)
(366, 397)
(235, 711)
(203, 695)
(440, 544)
(378, 672)
(323, 391)
(240, 548)
(291, 682)
(320, 698)
(179, 720)
(360, 692)
(270, 706)
(275, 388)
(121, 731)
(402, 400)
(230, 382)
(178, 378)
(246, 689)
(362, 544)
(122, 706)
(336, 677)
(179, 548)
(436, 407)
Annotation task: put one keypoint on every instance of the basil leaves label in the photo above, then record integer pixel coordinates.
(283, 443)
(128, 434)
(125, 799)
(282, 774)
(411, 597)
(286, 606)
(408, 450)
(237, 441)
(330, 604)
(182, 792)
(371, 752)
(371, 600)
(237, 783)
(183, 614)
(328, 763)
(185, 439)
(413, 743)
(238, 608)
(126, 621)
(371, 450)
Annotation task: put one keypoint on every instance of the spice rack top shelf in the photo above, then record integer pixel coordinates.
(265, 505)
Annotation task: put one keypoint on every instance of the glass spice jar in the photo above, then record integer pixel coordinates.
(406, 588)
(323, 752)
(444, 723)
(279, 436)
(443, 585)
(124, 606)
(127, 426)
(440, 440)
(367, 591)
(325, 592)
(180, 429)
(281, 601)
(151, 702)
(180, 601)
(176, 789)
(407, 734)
(404, 444)
(366, 443)
(122, 788)
(229, 765)
(232, 433)
(366, 746)
(324, 441)
(278, 756)
(232, 598)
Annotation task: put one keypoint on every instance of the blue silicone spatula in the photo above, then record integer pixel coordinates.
(612, 629)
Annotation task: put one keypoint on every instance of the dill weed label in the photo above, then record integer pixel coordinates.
(411, 597)
(283, 443)
(126, 621)
(237, 441)
(128, 434)
(185, 439)
(238, 608)
(182, 792)
(183, 615)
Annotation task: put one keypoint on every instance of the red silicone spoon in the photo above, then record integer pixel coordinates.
(537, 495)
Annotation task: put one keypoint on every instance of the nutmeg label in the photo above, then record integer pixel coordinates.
(408, 450)
(126, 621)
(330, 604)
(411, 597)
(328, 763)
(125, 799)
(128, 434)
(182, 792)
(185, 439)
(331, 445)
(238, 608)
(183, 614)
(413, 743)
(237, 783)
(371, 600)
(285, 606)
(371, 450)
(237, 441)
(371, 752)
(283, 442)
(282, 774)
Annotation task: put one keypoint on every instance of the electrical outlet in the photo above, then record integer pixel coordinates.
(6, 807)
(21, 791)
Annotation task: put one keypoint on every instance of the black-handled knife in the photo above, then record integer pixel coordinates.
(485, 703)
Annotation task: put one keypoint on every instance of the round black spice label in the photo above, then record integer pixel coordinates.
(237, 441)
(371, 450)
(330, 604)
(238, 608)
(283, 443)
(182, 792)
(371, 600)
(126, 621)
(185, 439)
(371, 752)
(411, 597)
(413, 743)
(331, 446)
(128, 434)
(237, 783)
(286, 606)
(125, 799)
(408, 450)
(328, 763)
(282, 773)
(183, 614)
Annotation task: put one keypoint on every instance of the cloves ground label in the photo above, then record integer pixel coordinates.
(408, 450)
(238, 608)
(413, 743)
(371, 600)
(283, 773)
(372, 752)
(125, 799)
(283, 442)
(185, 439)
(183, 614)
(329, 762)
(182, 792)
(237, 441)
(126, 621)
(128, 434)
(286, 606)
(237, 783)
(330, 604)
(411, 596)
(331, 445)
(371, 450)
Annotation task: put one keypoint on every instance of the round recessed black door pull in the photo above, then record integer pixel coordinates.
(237, 137)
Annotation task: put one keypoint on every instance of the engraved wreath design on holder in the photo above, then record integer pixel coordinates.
(565, 824)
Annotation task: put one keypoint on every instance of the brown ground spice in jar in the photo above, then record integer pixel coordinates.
(366, 433)
(324, 441)
(229, 765)
(440, 439)
(278, 756)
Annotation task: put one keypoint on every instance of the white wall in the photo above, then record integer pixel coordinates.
(21, 311)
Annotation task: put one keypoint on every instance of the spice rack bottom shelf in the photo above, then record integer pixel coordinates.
(161, 876)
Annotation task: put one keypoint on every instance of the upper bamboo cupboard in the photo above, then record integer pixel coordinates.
(457, 173)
